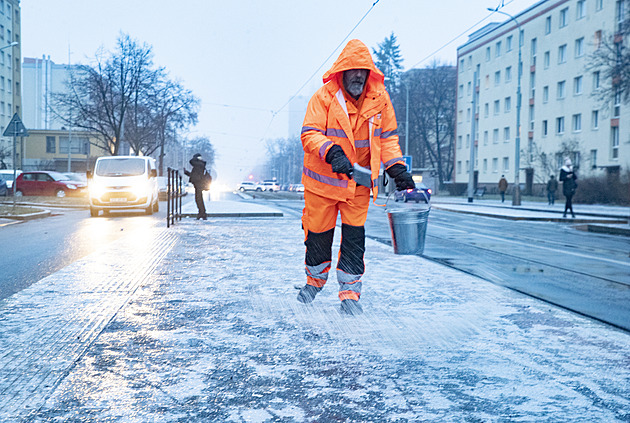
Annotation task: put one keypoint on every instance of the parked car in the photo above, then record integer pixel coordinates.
(420, 193)
(249, 186)
(123, 183)
(79, 177)
(7, 176)
(3, 188)
(298, 188)
(47, 183)
(270, 186)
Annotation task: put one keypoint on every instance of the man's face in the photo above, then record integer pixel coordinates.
(354, 81)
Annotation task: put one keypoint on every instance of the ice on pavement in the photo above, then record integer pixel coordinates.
(210, 330)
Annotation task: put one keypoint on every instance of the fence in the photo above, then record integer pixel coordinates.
(174, 189)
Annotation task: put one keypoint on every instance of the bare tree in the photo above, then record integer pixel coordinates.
(611, 59)
(547, 163)
(284, 159)
(100, 96)
(203, 146)
(5, 154)
(431, 116)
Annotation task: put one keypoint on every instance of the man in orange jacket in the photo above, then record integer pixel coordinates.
(350, 120)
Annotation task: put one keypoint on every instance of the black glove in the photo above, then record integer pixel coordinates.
(402, 178)
(339, 161)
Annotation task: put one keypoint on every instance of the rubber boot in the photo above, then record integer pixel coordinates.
(351, 307)
(307, 293)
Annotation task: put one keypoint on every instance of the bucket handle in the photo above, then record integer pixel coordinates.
(428, 201)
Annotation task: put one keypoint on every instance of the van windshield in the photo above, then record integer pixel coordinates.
(120, 167)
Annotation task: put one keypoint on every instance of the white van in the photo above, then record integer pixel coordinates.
(123, 182)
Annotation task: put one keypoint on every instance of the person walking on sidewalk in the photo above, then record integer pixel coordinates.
(198, 176)
(552, 187)
(350, 120)
(503, 186)
(569, 185)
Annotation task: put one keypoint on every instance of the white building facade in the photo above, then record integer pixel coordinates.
(558, 108)
(10, 72)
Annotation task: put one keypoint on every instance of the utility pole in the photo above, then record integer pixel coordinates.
(471, 166)
(69, 125)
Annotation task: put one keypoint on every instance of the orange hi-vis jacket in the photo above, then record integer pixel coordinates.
(327, 122)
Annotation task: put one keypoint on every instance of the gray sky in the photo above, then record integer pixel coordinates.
(250, 55)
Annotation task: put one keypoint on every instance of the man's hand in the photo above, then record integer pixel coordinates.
(339, 161)
(402, 178)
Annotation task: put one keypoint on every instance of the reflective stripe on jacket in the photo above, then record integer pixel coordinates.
(327, 123)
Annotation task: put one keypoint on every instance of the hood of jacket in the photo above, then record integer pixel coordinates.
(355, 55)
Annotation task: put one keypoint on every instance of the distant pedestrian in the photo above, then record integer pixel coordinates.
(200, 179)
(552, 187)
(503, 186)
(569, 185)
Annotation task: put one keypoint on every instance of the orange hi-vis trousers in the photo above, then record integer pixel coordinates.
(319, 219)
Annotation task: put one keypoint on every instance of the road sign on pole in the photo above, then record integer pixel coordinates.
(15, 128)
(408, 160)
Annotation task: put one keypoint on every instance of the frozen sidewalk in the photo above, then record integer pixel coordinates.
(200, 322)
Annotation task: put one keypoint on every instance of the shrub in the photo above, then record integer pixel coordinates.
(604, 190)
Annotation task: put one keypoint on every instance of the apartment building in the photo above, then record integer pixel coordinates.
(558, 110)
(10, 71)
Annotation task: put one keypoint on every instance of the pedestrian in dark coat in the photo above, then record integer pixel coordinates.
(569, 185)
(197, 178)
(552, 187)
(503, 185)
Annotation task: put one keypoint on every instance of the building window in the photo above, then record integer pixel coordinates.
(544, 128)
(545, 93)
(561, 90)
(593, 159)
(469, 62)
(495, 136)
(461, 90)
(467, 140)
(508, 74)
(488, 55)
(485, 137)
(497, 49)
(579, 47)
(467, 166)
(459, 142)
(507, 104)
(497, 107)
(506, 164)
(508, 44)
(560, 125)
(597, 40)
(580, 10)
(485, 165)
(548, 25)
(497, 78)
(533, 49)
(595, 80)
(617, 103)
(469, 89)
(468, 114)
(546, 59)
(459, 166)
(577, 85)
(486, 110)
(577, 122)
(531, 117)
(495, 165)
(614, 134)
(51, 145)
(461, 66)
(9, 86)
(562, 54)
(564, 17)
(506, 134)
(619, 11)
(532, 84)
(599, 5)
(595, 119)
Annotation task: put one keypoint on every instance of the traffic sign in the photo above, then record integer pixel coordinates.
(407, 160)
(15, 128)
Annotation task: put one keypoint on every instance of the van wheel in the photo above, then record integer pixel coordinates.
(93, 212)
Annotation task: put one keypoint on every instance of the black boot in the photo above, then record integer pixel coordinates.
(307, 293)
(351, 307)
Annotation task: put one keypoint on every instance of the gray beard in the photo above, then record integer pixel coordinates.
(355, 88)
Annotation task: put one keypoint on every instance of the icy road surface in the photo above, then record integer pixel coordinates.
(200, 323)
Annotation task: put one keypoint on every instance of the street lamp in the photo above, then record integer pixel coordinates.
(516, 198)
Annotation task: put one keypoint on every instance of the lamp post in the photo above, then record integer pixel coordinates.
(13, 44)
(516, 198)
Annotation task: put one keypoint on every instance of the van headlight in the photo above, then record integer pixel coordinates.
(96, 190)
(140, 190)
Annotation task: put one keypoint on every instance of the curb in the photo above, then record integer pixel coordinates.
(252, 214)
(29, 216)
(612, 230)
(61, 206)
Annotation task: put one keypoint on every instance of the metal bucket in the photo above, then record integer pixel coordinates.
(409, 229)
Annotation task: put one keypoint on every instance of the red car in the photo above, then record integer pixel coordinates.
(47, 184)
